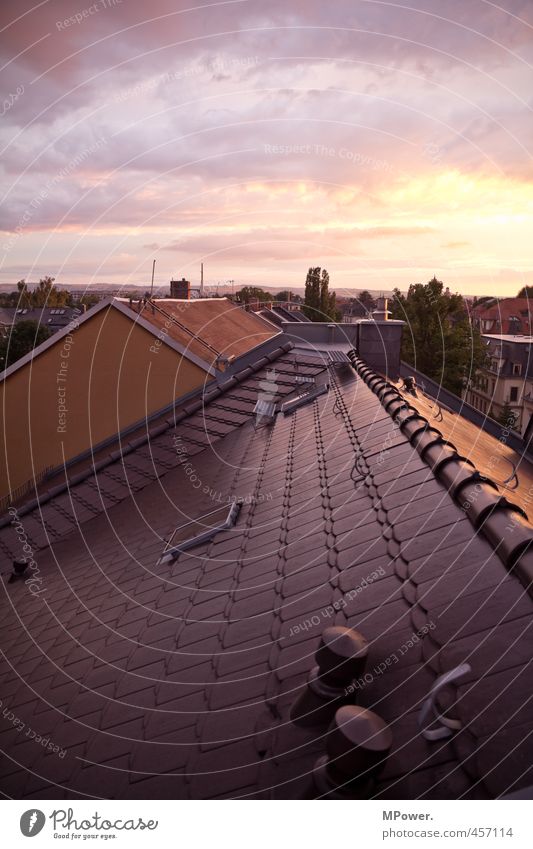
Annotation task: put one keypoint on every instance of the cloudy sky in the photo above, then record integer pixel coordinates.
(387, 141)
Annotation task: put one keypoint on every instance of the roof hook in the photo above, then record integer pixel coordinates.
(445, 726)
(512, 481)
(438, 415)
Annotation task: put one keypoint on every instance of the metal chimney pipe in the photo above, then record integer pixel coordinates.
(382, 312)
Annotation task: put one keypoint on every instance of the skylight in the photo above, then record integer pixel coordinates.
(305, 398)
(200, 530)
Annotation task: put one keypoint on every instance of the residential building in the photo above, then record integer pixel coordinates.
(54, 318)
(112, 368)
(509, 316)
(506, 383)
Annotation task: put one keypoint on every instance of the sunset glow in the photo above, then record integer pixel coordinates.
(387, 142)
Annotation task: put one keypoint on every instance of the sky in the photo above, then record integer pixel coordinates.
(386, 141)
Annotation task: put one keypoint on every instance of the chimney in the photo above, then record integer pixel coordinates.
(382, 312)
(180, 289)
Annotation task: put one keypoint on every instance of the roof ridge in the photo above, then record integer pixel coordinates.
(504, 524)
(188, 410)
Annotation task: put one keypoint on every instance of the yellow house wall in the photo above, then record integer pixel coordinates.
(107, 374)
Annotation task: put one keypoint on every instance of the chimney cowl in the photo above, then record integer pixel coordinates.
(381, 313)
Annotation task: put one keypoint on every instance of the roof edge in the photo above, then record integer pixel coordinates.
(504, 524)
(214, 391)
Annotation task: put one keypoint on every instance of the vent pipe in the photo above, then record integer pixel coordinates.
(340, 659)
(358, 744)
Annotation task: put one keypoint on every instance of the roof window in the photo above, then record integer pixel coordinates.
(305, 398)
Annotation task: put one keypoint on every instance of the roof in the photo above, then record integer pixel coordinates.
(492, 456)
(177, 680)
(48, 316)
(509, 337)
(503, 311)
(207, 326)
(199, 330)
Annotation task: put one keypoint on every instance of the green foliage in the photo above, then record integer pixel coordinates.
(88, 300)
(438, 340)
(525, 292)
(320, 303)
(366, 299)
(507, 417)
(45, 294)
(287, 295)
(485, 300)
(252, 293)
(22, 339)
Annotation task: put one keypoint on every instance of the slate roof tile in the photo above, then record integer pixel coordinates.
(228, 634)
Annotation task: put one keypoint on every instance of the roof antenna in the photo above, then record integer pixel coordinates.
(152, 286)
(201, 280)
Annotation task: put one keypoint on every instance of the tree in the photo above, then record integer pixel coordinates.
(507, 416)
(22, 339)
(88, 300)
(525, 292)
(252, 293)
(485, 300)
(320, 303)
(45, 294)
(367, 301)
(439, 339)
(287, 295)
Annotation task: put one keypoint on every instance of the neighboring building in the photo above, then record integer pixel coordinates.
(506, 382)
(163, 640)
(54, 318)
(509, 316)
(114, 367)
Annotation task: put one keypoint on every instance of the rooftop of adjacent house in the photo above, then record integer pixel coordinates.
(209, 331)
(50, 317)
(503, 307)
(211, 327)
(509, 337)
(176, 679)
(509, 469)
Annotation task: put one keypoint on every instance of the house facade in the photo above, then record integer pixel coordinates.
(506, 383)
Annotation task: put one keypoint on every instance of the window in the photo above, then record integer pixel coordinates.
(200, 530)
(289, 406)
(517, 368)
(513, 393)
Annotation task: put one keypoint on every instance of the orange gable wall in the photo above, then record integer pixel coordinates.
(107, 374)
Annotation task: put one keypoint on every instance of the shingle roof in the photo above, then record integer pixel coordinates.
(177, 681)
